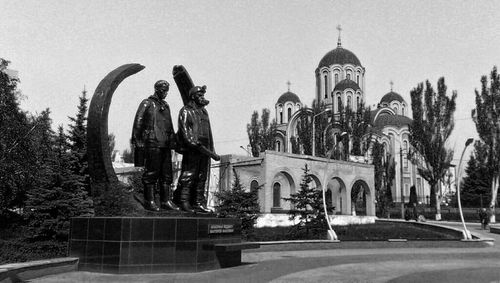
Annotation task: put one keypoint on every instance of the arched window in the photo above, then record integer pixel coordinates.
(403, 110)
(277, 195)
(405, 154)
(281, 117)
(357, 79)
(328, 200)
(336, 78)
(357, 102)
(254, 185)
(278, 146)
(326, 86)
(289, 114)
(348, 76)
(395, 110)
(339, 103)
(349, 102)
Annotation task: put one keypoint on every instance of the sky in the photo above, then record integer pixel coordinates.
(244, 51)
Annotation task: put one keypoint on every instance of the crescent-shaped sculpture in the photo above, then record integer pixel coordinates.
(99, 158)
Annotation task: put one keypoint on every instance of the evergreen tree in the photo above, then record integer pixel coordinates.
(307, 203)
(477, 183)
(432, 126)
(239, 203)
(77, 137)
(487, 122)
(58, 194)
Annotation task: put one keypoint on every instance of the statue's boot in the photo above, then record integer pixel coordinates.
(149, 197)
(200, 205)
(166, 195)
(185, 205)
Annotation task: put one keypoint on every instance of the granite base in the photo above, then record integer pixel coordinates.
(153, 244)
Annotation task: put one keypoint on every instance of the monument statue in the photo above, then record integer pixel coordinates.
(197, 147)
(153, 137)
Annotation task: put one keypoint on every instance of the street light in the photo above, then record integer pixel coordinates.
(248, 152)
(457, 181)
(314, 131)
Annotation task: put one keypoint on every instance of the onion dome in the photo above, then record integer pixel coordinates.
(390, 97)
(288, 97)
(345, 84)
(340, 56)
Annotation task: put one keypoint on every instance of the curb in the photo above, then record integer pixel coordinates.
(20, 272)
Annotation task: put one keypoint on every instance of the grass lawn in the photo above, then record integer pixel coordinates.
(379, 231)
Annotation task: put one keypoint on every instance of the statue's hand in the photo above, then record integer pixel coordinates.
(216, 157)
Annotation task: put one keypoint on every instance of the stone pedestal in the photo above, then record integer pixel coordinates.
(153, 244)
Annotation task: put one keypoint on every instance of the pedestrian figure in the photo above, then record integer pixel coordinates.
(484, 218)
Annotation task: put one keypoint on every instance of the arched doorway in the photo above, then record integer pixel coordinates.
(360, 197)
(337, 193)
(282, 186)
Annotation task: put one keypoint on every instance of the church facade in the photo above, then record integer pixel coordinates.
(349, 185)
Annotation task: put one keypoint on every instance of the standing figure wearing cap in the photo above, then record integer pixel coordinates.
(197, 147)
(153, 137)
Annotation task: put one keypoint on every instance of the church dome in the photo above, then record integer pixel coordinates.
(340, 56)
(345, 84)
(390, 97)
(288, 97)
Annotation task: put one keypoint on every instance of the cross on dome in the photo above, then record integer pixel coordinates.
(339, 43)
(288, 83)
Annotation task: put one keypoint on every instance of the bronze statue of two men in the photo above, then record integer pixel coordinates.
(153, 138)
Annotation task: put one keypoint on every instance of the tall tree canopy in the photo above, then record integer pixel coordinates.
(487, 115)
(432, 126)
(16, 158)
(261, 132)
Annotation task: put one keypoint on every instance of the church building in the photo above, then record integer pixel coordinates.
(340, 84)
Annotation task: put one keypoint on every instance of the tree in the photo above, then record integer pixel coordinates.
(261, 132)
(360, 122)
(383, 171)
(239, 203)
(304, 132)
(477, 183)
(307, 203)
(58, 194)
(128, 156)
(15, 147)
(77, 137)
(487, 120)
(111, 145)
(432, 126)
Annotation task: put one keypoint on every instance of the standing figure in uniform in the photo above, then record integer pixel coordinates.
(197, 147)
(153, 137)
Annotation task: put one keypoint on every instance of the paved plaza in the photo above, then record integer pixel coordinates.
(338, 265)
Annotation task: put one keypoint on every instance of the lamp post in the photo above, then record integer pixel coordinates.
(457, 181)
(248, 152)
(314, 131)
(401, 181)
